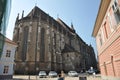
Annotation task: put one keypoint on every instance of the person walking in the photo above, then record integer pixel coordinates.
(61, 76)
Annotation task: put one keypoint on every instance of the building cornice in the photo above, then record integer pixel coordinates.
(100, 16)
(10, 41)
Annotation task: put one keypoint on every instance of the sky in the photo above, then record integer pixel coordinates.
(82, 13)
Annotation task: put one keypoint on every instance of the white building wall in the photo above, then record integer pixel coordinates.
(7, 61)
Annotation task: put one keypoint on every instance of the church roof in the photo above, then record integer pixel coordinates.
(64, 25)
(35, 12)
(4, 38)
(10, 41)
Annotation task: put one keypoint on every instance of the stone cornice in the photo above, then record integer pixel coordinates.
(100, 16)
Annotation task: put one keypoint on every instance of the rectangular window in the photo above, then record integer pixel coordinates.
(102, 35)
(110, 22)
(105, 30)
(116, 9)
(8, 52)
(100, 39)
(6, 68)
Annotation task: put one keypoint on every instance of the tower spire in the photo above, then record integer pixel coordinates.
(17, 18)
(72, 27)
(22, 13)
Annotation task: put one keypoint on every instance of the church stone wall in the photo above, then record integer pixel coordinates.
(47, 44)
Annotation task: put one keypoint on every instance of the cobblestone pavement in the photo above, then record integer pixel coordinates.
(27, 77)
(93, 78)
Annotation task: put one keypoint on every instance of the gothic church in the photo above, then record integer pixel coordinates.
(48, 44)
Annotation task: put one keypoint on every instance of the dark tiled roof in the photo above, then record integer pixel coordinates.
(36, 12)
(64, 25)
(4, 38)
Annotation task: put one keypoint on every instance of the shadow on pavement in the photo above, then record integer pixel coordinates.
(82, 78)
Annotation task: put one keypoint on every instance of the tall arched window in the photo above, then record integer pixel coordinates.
(18, 30)
(42, 45)
(25, 41)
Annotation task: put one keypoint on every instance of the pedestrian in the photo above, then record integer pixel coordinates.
(61, 76)
(94, 74)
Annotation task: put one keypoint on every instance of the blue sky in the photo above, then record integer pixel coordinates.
(82, 13)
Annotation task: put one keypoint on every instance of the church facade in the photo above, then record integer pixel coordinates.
(48, 44)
